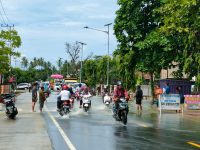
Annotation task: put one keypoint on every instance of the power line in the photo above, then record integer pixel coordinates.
(4, 11)
(2, 18)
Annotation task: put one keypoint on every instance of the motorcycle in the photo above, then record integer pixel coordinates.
(9, 101)
(78, 96)
(107, 100)
(122, 111)
(65, 108)
(86, 103)
(72, 101)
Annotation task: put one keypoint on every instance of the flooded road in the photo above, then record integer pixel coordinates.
(98, 130)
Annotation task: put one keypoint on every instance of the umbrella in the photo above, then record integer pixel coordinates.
(56, 76)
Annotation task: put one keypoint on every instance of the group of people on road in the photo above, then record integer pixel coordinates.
(64, 94)
(67, 94)
(166, 90)
(42, 97)
(121, 92)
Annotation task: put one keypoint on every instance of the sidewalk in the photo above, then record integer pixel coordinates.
(27, 132)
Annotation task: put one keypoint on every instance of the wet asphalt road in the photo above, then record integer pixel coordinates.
(98, 130)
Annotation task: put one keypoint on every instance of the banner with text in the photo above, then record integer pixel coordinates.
(169, 102)
(192, 101)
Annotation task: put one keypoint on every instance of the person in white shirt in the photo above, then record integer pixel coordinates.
(64, 95)
(86, 94)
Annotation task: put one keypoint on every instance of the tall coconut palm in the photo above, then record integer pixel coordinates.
(60, 64)
(24, 62)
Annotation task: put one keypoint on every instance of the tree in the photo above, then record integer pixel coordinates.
(24, 62)
(73, 50)
(90, 72)
(65, 68)
(59, 63)
(135, 28)
(181, 20)
(4, 59)
(9, 40)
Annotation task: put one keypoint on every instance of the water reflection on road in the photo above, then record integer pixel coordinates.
(98, 130)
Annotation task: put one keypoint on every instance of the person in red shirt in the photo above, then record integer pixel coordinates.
(119, 92)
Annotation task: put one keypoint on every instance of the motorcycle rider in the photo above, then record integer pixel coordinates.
(78, 91)
(72, 94)
(78, 88)
(119, 92)
(86, 93)
(64, 95)
(106, 93)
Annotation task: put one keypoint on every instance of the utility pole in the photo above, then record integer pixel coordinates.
(108, 65)
(108, 33)
(81, 59)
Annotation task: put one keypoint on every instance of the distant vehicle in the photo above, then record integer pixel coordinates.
(23, 86)
(75, 85)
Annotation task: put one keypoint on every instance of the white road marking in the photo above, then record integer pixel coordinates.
(66, 139)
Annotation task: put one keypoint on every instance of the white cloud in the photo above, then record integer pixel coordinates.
(81, 7)
(46, 25)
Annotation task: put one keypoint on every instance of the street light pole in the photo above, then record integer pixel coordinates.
(81, 59)
(108, 33)
(108, 62)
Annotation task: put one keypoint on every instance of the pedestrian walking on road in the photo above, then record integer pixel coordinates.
(29, 87)
(42, 98)
(182, 98)
(34, 96)
(157, 92)
(139, 97)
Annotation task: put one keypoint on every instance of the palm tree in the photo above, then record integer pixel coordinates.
(60, 64)
(24, 62)
(41, 62)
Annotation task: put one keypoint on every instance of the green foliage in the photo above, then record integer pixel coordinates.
(141, 47)
(155, 35)
(9, 40)
(181, 20)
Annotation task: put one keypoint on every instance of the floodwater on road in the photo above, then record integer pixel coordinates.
(145, 130)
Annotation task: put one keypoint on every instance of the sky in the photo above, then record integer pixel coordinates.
(46, 25)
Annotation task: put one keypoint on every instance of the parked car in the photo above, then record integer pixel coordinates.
(23, 86)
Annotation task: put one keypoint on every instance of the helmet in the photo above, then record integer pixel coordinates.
(65, 87)
(86, 89)
(119, 83)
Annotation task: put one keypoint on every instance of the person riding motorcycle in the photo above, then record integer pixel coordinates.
(64, 95)
(78, 91)
(119, 92)
(78, 88)
(105, 92)
(87, 94)
(72, 94)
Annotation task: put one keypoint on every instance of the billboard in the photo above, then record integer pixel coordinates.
(169, 102)
(192, 101)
